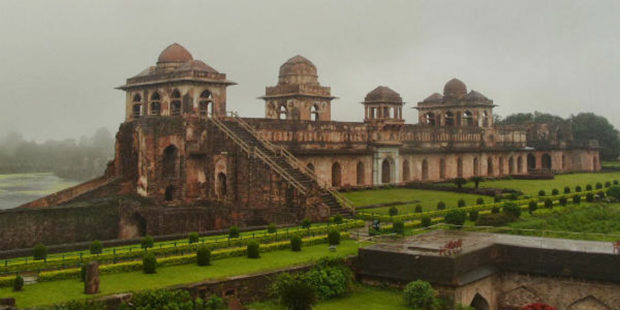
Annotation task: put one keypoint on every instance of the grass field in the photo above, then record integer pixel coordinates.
(362, 298)
(54, 292)
(428, 199)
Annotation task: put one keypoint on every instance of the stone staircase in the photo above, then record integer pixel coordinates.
(284, 163)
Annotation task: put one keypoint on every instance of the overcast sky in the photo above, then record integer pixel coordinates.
(60, 60)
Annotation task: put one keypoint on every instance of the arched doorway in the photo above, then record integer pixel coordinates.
(221, 185)
(531, 161)
(170, 164)
(511, 165)
(476, 167)
(520, 164)
(489, 166)
(169, 194)
(595, 163)
(386, 172)
(360, 173)
(479, 303)
(136, 227)
(459, 167)
(442, 168)
(563, 162)
(546, 161)
(405, 170)
(336, 175)
(500, 169)
(424, 170)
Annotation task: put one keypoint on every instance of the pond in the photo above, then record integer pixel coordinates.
(17, 189)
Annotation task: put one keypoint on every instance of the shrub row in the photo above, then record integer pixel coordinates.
(169, 261)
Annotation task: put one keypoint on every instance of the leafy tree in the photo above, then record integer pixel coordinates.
(295, 293)
(193, 237)
(233, 232)
(96, 247)
(589, 126)
(459, 182)
(419, 295)
(477, 181)
(455, 217)
(306, 223)
(272, 228)
(39, 252)
(147, 242)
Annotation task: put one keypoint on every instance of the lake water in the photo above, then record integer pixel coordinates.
(17, 189)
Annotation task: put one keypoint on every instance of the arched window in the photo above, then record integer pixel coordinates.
(489, 166)
(500, 169)
(221, 185)
(360, 173)
(429, 119)
(546, 161)
(476, 167)
(449, 119)
(405, 170)
(442, 168)
(520, 164)
(386, 172)
(336, 175)
(169, 194)
(206, 102)
(175, 103)
(531, 161)
(136, 110)
(459, 167)
(137, 98)
(564, 165)
(595, 163)
(511, 165)
(170, 164)
(468, 119)
(485, 119)
(155, 104)
(282, 112)
(310, 167)
(386, 112)
(424, 170)
(314, 112)
(479, 303)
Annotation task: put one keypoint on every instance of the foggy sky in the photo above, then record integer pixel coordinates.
(60, 60)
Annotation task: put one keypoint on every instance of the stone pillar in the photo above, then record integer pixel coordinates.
(91, 279)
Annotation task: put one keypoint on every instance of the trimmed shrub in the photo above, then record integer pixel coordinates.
(578, 188)
(455, 217)
(149, 263)
(494, 219)
(555, 191)
(495, 210)
(18, 283)
(512, 210)
(338, 219)
(203, 256)
(418, 209)
(295, 293)
(589, 197)
(473, 215)
(566, 190)
(480, 201)
(441, 205)
(541, 193)
(577, 199)
(39, 251)
(333, 237)
(398, 227)
(563, 201)
(146, 242)
(96, 247)
(419, 295)
(425, 221)
(461, 203)
(460, 182)
(193, 237)
(272, 228)
(253, 249)
(393, 211)
(607, 184)
(614, 192)
(233, 232)
(306, 223)
(532, 206)
(548, 203)
(615, 182)
(296, 243)
(599, 185)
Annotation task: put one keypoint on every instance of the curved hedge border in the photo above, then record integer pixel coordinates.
(59, 263)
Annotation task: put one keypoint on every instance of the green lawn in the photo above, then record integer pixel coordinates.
(362, 298)
(64, 290)
(428, 199)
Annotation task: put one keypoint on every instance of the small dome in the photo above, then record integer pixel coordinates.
(298, 70)
(454, 89)
(383, 94)
(475, 96)
(435, 97)
(174, 53)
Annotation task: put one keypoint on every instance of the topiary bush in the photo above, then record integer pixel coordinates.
(96, 247)
(296, 243)
(563, 201)
(461, 203)
(480, 201)
(271, 228)
(425, 221)
(473, 215)
(253, 249)
(146, 242)
(193, 237)
(599, 185)
(577, 199)
(441, 205)
(393, 211)
(39, 251)
(555, 191)
(459, 182)
(305, 223)
(532, 206)
(418, 209)
(455, 217)
(233, 232)
(149, 263)
(398, 227)
(338, 219)
(18, 283)
(607, 184)
(495, 210)
(548, 203)
(203, 256)
(589, 197)
(419, 295)
(512, 209)
(541, 193)
(333, 237)
(578, 188)
(615, 182)
(566, 190)
(294, 293)
(614, 192)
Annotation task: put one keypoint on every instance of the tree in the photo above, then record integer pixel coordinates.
(459, 182)
(96, 247)
(203, 256)
(39, 251)
(419, 295)
(477, 181)
(456, 217)
(295, 293)
(589, 126)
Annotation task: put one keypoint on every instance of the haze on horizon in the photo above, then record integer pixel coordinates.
(60, 60)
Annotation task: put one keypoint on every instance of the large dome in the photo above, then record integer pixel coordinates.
(383, 94)
(298, 70)
(174, 53)
(454, 89)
